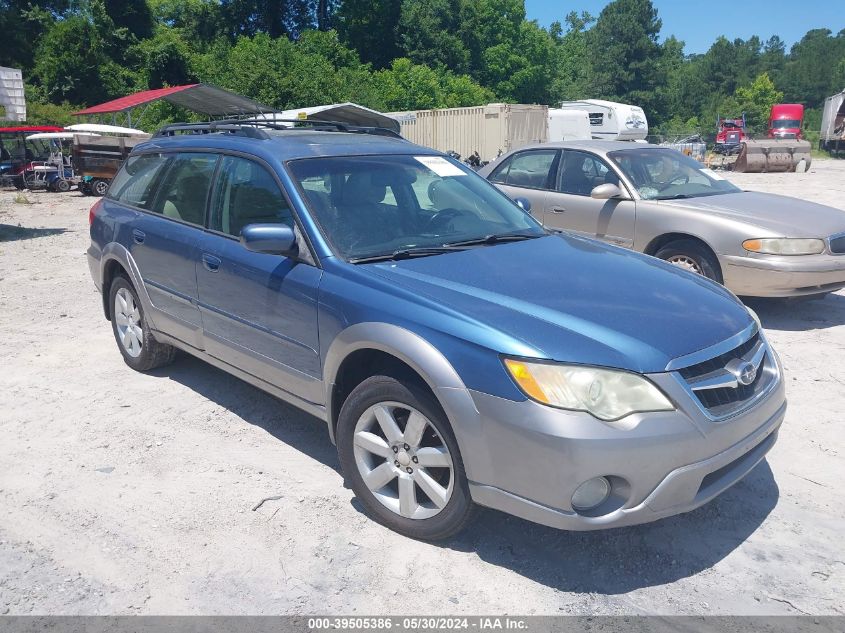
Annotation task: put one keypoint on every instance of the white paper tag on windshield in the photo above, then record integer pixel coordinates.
(712, 174)
(440, 166)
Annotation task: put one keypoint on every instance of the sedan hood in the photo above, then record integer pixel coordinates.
(778, 216)
(572, 299)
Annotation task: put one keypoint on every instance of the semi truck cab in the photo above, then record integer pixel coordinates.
(785, 120)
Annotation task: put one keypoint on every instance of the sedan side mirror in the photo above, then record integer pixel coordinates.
(523, 203)
(273, 239)
(607, 191)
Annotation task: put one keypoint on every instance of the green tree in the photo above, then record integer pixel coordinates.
(83, 73)
(198, 22)
(570, 61)
(809, 76)
(429, 33)
(165, 59)
(624, 52)
(371, 28)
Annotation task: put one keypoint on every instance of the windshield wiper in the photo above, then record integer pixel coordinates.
(496, 239)
(405, 253)
(677, 196)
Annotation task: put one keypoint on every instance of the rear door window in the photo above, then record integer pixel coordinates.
(134, 184)
(183, 192)
(534, 170)
(246, 193)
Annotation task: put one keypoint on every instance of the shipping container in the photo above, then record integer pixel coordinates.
(489, 130)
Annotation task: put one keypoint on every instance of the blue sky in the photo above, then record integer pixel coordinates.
(698, 22)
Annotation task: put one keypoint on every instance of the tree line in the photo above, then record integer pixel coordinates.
(404, 54)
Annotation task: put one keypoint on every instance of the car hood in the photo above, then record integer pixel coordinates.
(573, 299)
(781, 216)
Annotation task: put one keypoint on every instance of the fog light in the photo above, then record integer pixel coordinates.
(591, 493)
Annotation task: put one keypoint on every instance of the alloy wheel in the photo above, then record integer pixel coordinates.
(403, 460)
(128, 320)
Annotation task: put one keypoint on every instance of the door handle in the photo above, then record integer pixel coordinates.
(558, 210)
(211, 263)
(138, 236)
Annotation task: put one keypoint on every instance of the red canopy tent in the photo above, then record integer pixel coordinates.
(204, 98)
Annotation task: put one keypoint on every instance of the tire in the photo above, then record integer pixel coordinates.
(400, 468)
(142, 352)
(99, 188)
(692, 256)
(62, 185)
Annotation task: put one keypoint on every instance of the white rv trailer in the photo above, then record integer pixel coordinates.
(612, 121)
(569, 125)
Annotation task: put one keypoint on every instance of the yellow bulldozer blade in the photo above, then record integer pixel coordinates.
(772, 155)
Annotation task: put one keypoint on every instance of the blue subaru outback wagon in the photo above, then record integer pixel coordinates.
(458, 353)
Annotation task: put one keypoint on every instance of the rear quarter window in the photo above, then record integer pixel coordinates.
(134, 183)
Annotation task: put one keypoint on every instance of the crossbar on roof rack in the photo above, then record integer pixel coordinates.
(251, 127)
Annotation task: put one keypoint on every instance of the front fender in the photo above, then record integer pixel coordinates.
(430, 364)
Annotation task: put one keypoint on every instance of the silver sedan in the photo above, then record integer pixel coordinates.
(657, 201)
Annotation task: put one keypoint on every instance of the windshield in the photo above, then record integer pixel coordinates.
(664, 174)
(376, 205)
(779, 124)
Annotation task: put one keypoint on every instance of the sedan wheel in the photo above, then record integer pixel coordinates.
(403, 461)
(687, 263)
(693, 256)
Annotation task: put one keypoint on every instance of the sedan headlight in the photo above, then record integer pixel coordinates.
(605, 393)
(785, 246)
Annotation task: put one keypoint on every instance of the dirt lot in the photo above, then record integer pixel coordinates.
(124, 493)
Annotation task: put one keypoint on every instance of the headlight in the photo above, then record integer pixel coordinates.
(785, 246)
(605, 393)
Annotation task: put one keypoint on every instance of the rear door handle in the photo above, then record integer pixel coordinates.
(558, 210)
(211, 263)
(138, 236)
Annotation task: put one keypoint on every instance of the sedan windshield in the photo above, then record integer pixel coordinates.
(666, 174)
(396, 206)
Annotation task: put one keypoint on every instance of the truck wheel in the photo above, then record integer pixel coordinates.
(401, 459)
(134, 340)
(692, 256)
(62, 185)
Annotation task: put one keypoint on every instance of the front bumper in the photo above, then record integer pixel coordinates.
(659, 464)
(773, 276)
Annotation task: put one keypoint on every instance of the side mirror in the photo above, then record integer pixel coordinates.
(524, 203)
(273, 239)
(607, 191)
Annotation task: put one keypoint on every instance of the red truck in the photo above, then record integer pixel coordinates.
(785, 120)
(730, 133)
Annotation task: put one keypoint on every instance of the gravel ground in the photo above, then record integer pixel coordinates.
(123, 493)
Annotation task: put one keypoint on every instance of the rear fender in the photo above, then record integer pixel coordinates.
(116, 252)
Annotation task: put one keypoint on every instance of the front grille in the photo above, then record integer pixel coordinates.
(837, 245)
(723, 401)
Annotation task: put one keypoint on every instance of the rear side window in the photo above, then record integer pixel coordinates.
(246, 193)
(183, 192)
(527, 169)
(133, 184)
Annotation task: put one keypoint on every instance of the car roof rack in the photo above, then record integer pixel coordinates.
(257, 128)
